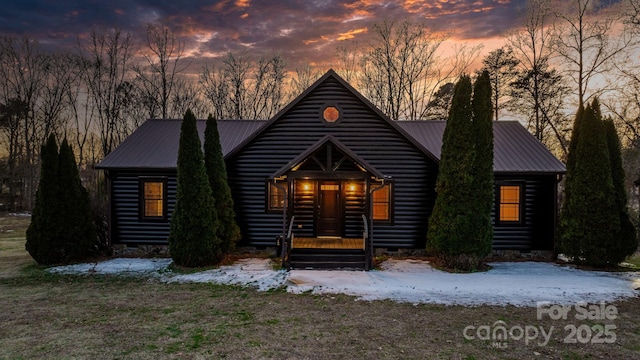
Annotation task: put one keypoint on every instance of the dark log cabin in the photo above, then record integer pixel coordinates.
(329, 179)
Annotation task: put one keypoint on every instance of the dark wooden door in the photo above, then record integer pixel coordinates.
(329, 209)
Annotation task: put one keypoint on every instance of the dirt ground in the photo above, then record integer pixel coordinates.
(46, 316)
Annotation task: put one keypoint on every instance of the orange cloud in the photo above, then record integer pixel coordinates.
(351, 34)
(244, 16)
(243, 3)
(313, 41)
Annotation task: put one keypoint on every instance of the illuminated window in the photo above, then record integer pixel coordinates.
(381, 202)
(331, 187)
(510, 203)
(276, 197)
(153, 204)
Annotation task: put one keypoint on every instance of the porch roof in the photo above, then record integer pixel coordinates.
(319, 144)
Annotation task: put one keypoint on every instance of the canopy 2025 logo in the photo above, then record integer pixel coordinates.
(500, 334)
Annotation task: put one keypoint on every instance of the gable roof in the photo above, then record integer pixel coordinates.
(356, 93)
(515, 150)
(154, 145)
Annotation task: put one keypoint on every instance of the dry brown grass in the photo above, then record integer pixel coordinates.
(45, 316)
(13, 257)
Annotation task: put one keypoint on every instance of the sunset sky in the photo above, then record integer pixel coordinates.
(301, 31)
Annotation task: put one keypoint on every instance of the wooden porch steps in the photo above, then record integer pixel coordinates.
(323, 258)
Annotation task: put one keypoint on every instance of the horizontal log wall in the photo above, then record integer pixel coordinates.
(361, 130)
(536, 232)
(126, 227)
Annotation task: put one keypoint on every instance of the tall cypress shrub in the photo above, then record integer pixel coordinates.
(228, 231)
(452, 224)
(61, 228)
(42, 234)
(628, 241)
(80, 239)
(192, 238)
(483, 169)
(571, 160)
(590, 216)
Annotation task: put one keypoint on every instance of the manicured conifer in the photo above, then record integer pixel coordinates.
(628, 241)
(61, 228)
(228, 230)
(452, 225)
(590, 216)
(483, 173)
(42, 233)
(79, 239)
(192, 239)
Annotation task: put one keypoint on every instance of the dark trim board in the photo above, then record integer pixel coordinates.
(361, 150)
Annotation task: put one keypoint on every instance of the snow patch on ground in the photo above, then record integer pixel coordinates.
(256, 273)
(119, 266)
(413, 281)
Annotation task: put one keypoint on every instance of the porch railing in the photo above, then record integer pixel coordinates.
(287, 243)
(368, 243)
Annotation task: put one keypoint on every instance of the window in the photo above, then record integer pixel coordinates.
(153, 199)
(276, 197)
(510, 203)
(381, 200)
(331, 114)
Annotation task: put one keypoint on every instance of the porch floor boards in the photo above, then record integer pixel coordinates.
(327, 243)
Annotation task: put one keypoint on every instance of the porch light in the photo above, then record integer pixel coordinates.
(352, 187)
(305, 186)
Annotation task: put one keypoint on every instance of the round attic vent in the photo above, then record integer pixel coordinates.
(331, 114)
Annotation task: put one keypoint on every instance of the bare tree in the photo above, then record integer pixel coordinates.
(543, 88)
(213, 85)
(349, 56)
(303, 78)
(401, 68)
(265, 93)
(236, 73)
(187, 97)
(532, 45)
(163, 62)
(81, 110)
(22, 79)
(59, 75)
(12, 113)
(501, 65)
(632, 12)
(107, 56)
(243, 89)
(584, 41)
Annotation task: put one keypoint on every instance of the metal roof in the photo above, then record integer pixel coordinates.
(515, 150)
(154, 145)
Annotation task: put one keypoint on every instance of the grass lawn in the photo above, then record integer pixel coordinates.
(101, 317)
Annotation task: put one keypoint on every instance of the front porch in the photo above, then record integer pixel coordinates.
(329, 198)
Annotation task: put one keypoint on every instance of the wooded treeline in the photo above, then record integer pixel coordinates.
(96, 94)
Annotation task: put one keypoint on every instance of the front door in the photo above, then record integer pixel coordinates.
(329, 209)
